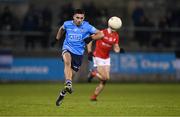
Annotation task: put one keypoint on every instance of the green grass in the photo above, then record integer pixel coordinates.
(116, 100)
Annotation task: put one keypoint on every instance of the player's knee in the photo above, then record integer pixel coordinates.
(103, 82)
(67, 63)
(106, 78)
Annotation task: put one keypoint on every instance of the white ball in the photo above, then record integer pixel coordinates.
(115, 22)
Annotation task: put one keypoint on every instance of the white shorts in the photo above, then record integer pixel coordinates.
(101, 62)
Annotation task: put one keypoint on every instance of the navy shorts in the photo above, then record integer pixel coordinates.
(76, 60)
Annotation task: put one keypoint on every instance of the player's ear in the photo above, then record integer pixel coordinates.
(73, 17)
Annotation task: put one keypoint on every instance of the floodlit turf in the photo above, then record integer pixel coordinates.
(116, 100)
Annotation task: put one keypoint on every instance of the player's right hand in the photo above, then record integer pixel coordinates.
(122, 51)
(54, 42)
(90, 56)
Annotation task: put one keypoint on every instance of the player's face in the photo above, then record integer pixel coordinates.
(78, 19)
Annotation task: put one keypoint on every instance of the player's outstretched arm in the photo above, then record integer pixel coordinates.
(97, 35)
(89, 50)
(116, 48)
(89, 47)
(60, 33)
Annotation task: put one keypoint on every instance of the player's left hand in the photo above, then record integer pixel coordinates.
(122, 51)
(90, 56)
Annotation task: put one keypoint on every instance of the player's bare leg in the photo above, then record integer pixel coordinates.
(94, 73)
(98, 90)
(68, 71)
(104, 73)
(60, 97)
(68, 78)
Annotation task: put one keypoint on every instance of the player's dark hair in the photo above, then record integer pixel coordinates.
(79, 11)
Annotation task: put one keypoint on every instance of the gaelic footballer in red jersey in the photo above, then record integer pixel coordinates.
(101, 58)
(104, 45)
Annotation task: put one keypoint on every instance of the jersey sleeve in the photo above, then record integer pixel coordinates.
(64, 25)
(92, 29)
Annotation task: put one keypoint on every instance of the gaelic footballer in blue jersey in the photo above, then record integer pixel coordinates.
(77, 31)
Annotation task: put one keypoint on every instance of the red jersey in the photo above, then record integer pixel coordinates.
(103, 46)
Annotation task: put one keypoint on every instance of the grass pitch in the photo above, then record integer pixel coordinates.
(116, 100)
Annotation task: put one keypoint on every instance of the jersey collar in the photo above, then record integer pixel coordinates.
(76, 25)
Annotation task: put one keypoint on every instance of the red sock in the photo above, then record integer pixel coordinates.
(93, 97)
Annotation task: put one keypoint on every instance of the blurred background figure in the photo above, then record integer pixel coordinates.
(30, 24)
(7, 19)
(45, 27)
(8, 23)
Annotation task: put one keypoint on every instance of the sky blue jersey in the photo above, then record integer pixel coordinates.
(75, 35)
